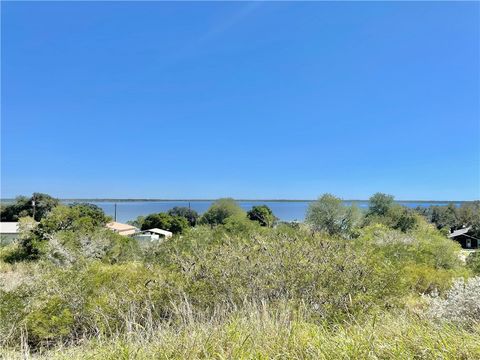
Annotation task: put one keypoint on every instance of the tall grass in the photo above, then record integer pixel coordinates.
(251, 294)
(262, 332)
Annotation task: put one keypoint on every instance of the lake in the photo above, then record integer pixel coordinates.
(284, 210)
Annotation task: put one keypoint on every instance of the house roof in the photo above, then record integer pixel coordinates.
(8, 227)
(160, 232)
(119, 227)
(459, 232)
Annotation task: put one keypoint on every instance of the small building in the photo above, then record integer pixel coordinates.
(122, 229)
(153, 235)
(9, 232)
(466, 241)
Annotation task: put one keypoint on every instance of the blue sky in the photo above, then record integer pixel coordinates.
(249, 100)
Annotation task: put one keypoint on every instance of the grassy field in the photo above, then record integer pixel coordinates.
(262, 333)
(240, 291)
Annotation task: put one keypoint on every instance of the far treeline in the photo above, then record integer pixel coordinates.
(327, 214)
(45, 216)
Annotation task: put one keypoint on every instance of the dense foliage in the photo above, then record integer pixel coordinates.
(451, 217)
(383, 210)
(220, 211)
(262, 214)
(37, 207)
(329, 215)
(337, 286)
(189, 214)
(175, 224)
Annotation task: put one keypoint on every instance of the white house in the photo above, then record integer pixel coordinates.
(8, 232)
(153, 235)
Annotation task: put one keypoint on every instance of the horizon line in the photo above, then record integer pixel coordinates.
(99, 199)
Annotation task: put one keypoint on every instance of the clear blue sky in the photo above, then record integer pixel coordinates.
(249, 100)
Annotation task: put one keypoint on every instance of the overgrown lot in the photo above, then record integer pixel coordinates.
(239, 290)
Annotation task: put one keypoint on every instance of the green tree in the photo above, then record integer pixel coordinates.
(220, 211)
(37, 206)
(138, 222)
(185, 212)
(262, 214)
(178, 225)
(380, 204)
(403, 219)
(445, 217)
(469, 215)
(175, 224)
(329, 214)
(92, 211)
(160, 221)
(383, 210)
(78, 219)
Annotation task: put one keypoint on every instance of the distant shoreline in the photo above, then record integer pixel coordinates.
(240, 200)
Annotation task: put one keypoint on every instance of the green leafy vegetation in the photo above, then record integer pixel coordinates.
(383, 210)
(449, 217)
(235, 286)
(189, 214)
(175, 224)
(220, 211)
(37, 207)
(329, 215)
(262, 214)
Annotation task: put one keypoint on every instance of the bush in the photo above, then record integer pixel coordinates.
(220, 211)
(383, 210)
(473, 262)
(63, 305)
(328, 214)
(92, 212)
(175, 224)
(460, 304)
(425, 259)
(237, 276)
(331, 276)
(262, 214)
(37, 206)
(380, 204)
(80, 220)
(189, 214)
(68, 247)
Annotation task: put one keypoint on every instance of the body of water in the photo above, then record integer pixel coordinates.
(284, 210)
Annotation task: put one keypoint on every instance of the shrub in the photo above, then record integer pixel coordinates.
(92, 212)
(331, 276)
(68, 247)
(220, 210)
(328, 214)
(383, 210)
(425, 259)
(64, 304)
(189, 214)
(51, 321)
(175, 224)
(473, 262)
(37, 206)
(380, 204)
(262, 214)
(460, 303)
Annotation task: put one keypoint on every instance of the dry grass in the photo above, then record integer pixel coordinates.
(258, 332)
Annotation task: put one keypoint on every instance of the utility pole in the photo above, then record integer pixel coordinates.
(33, 205)
(115, 211)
